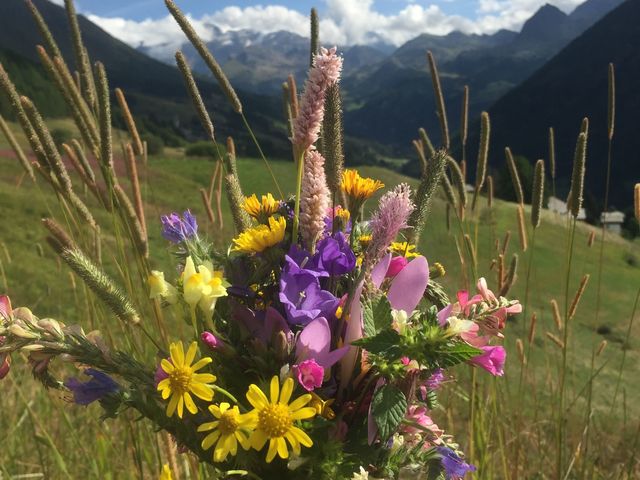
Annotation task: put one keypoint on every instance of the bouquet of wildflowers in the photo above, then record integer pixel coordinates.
(313, 346)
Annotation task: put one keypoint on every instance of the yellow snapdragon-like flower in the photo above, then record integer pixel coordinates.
(204, 286)
(275, 418)
(358, 187)
(230, 428)
(182, 380)
(160, 288)
(166, 473)
(261, 209)
(404, 249)
(258, 239)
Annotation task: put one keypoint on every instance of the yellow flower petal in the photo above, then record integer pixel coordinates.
(210, 440)
(300, 402)
(282, 448)
(287, 390)
(203, 362)
(191, 406)
(274, 389)
(273, 449)
(191, 354)
(256, 398)
(201, 391)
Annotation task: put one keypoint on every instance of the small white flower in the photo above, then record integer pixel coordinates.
(363, 475)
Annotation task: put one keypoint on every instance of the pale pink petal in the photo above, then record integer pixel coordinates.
(353, 333)
(380, 270)
(408, 287)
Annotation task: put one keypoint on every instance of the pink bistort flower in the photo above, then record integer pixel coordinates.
(314, 199)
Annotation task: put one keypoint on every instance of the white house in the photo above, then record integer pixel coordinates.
(613, 221)
(558, 206)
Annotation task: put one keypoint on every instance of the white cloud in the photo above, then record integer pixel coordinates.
(345, 22)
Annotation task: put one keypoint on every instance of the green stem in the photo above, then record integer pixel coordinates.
(296, 217)
(264, 158)
(225, 393)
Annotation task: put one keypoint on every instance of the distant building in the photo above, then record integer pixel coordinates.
(612, 221)
(558, 206)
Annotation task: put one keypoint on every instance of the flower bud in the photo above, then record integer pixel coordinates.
(51, 326)
(18, 331)
(5, 365)
(33, 347)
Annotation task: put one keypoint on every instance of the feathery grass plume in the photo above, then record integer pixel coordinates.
(532, 327)
(470, 248)
(87, 84)
(552, 158)
(418, 145)
(557, 318)
(67, 91)
(577, 178)
(611, 110)
(426, 142)
(601, 347)
(555, 340)
(50, 149)
(489, 191)
(636, 198)
(44, 30)
(515, 178)
(522, 229)
(538, 193)
(58, 233)
(332, 141)
(315, 200)
(207, 205)
(132, 171)
(104, 114)
(483, 155)
(426, 189)
(458, 180)
(464, 120)
(100, 283)
(448, 191)
(205, 54)
(439, 98)
(520, 349)
(87, 125)
(81, 208)
(325, 72)
(315, 34)
(293, 92)
(194, 93)
(129, 212)
(584, 126)
(129, 121)
(578, 296)
(500, 270)
(73, 158)
(505, 242)
(17, 149)
(230, 157)
(591, 239)
(512, 276)
(14, 100)
(392, 216)
(84, 161)
(241, 219)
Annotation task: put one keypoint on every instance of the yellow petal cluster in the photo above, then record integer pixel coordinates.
(258, 239)
(261, 209)
(357, 187)
(404, 249)
(160, 288)
(202, 287)
(230, 428)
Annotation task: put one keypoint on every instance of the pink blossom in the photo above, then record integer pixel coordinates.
(324, 73)
(310, 374)
(160, 374)
(472, 336)
(396, 265)
(210, 340)
(314, 199)
(418, 414)
(483, 290)
(5, 365)
(492, 360)
(388, 220)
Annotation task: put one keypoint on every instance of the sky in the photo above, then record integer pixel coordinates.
(343, 22)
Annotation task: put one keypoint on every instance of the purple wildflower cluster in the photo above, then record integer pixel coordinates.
(177, 229)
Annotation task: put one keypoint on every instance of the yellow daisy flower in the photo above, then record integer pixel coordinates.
(275, 418)
(230, 428)
(182, 381)
(258, 239)
(364, 240)
(260, 209)
(358, 187)
(404, 249)
(166, 473)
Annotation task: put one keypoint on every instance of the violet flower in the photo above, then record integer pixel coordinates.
(302, 297)
(335, 255)
(492, 360)
(263, 325)
(314, 342)
(454, 467)
(97, 388)
(176, 229)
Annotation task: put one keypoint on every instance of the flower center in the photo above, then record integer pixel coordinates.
(274, 420)
(228, 422)
(180, 379)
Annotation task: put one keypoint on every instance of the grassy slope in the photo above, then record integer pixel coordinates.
(173, 183)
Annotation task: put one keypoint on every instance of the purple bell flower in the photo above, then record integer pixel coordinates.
(98, 387)
(176, 229)
(335, 255)
(454, 467)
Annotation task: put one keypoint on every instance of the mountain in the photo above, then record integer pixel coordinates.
(393, 99)
(155, 90)
(571, 86)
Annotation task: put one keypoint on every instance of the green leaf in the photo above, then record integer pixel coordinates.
(388, 407)
(455, 353)
(367, 318)
(382, 313)
(386, 343)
